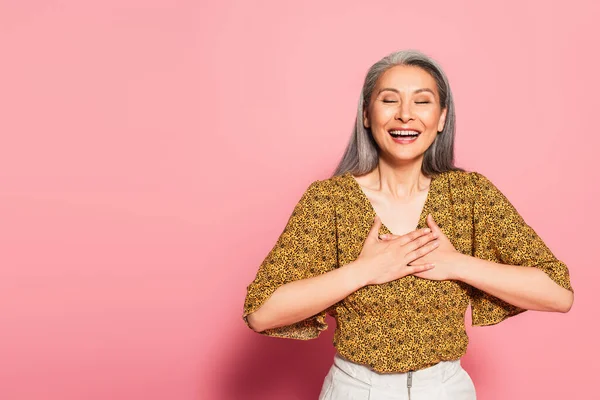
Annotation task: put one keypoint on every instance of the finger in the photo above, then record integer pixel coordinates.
(374, 231)
(421, 251)
(409, 237)
(419, 242)
(413, 269)
(389, 236)
(433, 225)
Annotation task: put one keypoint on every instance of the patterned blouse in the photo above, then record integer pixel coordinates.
(409, 323)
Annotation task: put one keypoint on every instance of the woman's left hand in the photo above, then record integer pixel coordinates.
(445, 257)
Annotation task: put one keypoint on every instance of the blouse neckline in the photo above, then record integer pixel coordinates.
(431, 192)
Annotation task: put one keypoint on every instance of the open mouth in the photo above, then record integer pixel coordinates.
(404, 136)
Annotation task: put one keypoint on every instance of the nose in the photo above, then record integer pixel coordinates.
(404, 112)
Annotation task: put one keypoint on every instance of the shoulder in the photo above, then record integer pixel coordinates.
(320, 188)
(470, 184)
(485, 190)
(319, 194)
(472, 180)
(484, 184)
(462, 177)
(330, 188)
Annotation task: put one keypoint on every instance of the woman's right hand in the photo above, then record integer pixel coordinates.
(387, 260)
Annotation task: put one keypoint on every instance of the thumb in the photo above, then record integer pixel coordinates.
(433, 225)
(374, 231)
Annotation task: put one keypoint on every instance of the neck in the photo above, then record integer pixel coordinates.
(400, 180)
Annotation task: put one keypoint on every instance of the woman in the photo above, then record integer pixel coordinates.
(399, 289)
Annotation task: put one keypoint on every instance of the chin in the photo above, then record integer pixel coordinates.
(406, 157)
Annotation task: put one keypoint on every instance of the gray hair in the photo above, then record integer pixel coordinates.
(362, 153)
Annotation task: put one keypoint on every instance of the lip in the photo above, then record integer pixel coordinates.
(400, 140)
(403, 129)
(404, 140)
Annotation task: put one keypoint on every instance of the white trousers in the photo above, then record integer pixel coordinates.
(446, 380)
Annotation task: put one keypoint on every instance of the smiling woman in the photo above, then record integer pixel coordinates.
(399, 290)
(406, 108)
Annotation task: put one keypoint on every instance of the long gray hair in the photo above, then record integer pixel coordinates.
(362, 153)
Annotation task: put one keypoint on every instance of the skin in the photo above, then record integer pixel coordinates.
(405, 96)
(427, 253)
(398, 176)
(525, 287)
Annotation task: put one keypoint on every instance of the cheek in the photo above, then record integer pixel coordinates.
(382, 115)
(430, 118)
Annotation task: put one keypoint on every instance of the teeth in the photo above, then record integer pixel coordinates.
(404, 133)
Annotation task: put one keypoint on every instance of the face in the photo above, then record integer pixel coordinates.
(405, 100)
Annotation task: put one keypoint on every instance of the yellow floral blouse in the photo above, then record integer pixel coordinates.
(409, 323)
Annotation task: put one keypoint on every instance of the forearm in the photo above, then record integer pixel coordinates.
(525, 287)
(298, 300)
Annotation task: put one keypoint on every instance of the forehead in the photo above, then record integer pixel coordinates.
(406, 78)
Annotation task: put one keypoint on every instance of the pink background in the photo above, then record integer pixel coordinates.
(152, 152)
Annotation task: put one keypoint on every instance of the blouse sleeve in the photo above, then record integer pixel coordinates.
(305, 248)
(501, 235)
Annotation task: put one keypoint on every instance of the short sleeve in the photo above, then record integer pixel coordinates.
(502, 235)
(305, 248)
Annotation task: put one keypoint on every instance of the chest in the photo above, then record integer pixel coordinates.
(399, 216)
(354, 219)
(453, 213)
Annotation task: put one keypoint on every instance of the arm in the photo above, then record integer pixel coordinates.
(378, 263)
(296, 269)
(524, 287)
(298, 300)
(512, 269)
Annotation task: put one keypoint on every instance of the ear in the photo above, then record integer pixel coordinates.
(442, 121)
(366, 123)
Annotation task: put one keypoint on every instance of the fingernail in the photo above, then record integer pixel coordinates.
(427, 230)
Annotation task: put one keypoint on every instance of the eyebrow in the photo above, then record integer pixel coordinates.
(416, 91)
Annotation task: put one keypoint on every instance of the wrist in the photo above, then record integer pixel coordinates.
(460, 266)
(356, 274)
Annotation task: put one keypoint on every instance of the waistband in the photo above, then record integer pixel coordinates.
(422, 377)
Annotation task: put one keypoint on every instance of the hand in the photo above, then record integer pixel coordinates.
(445, 257)
(384, 260)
